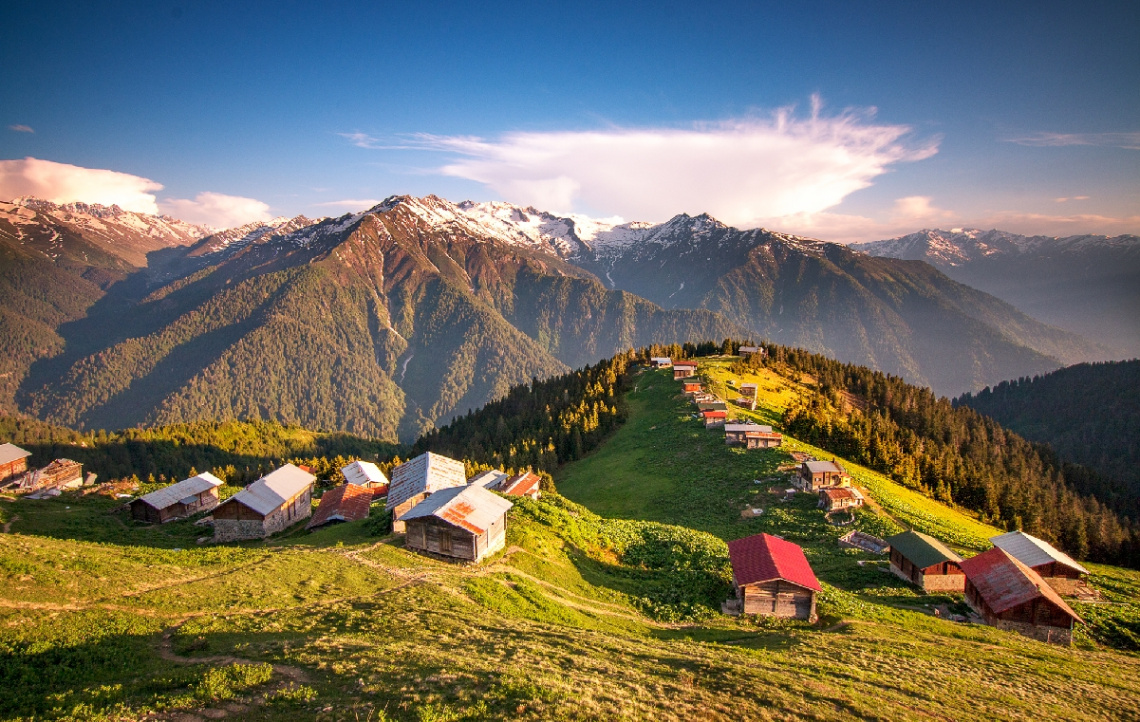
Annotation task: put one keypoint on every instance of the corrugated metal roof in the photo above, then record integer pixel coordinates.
(684, 364)
(843, 492)
(1034, 552)
(274, 489)
(363, 473)
(428, 472)
(11, 452)
(1004, 582)
(347, 502)
(712, 406)
(470, 507)
(923, 551)
(490, 479)
(185, 489)
(521, 484)
(824, 467)
(763, 558)
(748, 427)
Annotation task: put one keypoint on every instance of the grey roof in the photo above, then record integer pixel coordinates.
(427, 472)
(748, 427)
(923, 551)
(362, 473)
(823, 467)
(182, 492)
(1033, 552)
(11, 452)
(489, 479)
(470, 507)
(274, 489)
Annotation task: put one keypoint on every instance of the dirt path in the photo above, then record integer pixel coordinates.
(6, 529)
(166, 651)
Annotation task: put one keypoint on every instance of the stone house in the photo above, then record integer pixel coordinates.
(274, 502)
(926, 562)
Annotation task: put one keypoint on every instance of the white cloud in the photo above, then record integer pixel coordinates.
(63, 183)
(1070, 198)
(361, 140)
(1129, 141)
(21, 128)
(739, 171)
(217, 210)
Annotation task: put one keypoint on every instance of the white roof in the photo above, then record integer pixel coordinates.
(1033, 552)
(489, 479)
(748, 427)
(471, 507)
(749, 349)
(819, 467)
(185, 489)
(362, 473)
(661, 359)
(11, 452)
(274, 489)
(427, 472)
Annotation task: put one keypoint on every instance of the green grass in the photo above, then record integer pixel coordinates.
(605, 610)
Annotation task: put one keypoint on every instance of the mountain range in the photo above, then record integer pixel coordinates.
(394, 320)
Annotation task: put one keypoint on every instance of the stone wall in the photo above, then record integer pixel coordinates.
(227, 530)
(1052, 635)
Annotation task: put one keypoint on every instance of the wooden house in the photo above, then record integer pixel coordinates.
(839, 498)
(772, 577)
(714, 418)
(272, 503)
(465, 523)
(1061, 571)
(926, 562)
(186, 498)
(414, 480)
(752, 436)
(816, 475)
(661, 362)
(691, 387)
(13, 461)
(524, 484)
(347, 502)
(1009, 595)
(59, 474)
(749, 390)
(746, 351)
(684, 369)
(367, 475)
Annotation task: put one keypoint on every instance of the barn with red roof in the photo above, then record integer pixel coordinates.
(1009, 595)
(347, 502)
(772, 577)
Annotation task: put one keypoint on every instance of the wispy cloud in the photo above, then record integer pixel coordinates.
(216, 209)
(740, 171)
(1070, 198)
(64, 183)
(350, 204)
(361, 140)
(1129, 141)
(22, 128)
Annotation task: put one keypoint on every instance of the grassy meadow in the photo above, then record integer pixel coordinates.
(604, 605)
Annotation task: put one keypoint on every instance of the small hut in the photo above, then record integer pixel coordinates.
(752, 436)
(691, 387)
(749, 390)
(466, 523)
(845, 497)
(347, 502)
(366, 475)
(746, 351)
(772, 577)
(816, 475)
(661, 362)
(1009, 595)
(414, 480)
(684, 369)
(524, 484)
(272, 503)
(926, 562)
(187, 497)
(13, 461)
(714, 418)
(1061, 571)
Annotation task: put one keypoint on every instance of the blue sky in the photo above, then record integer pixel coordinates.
(842, 120)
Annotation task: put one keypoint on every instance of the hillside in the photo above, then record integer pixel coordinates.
(1089, 413)
(581, 617)
(1085, 284)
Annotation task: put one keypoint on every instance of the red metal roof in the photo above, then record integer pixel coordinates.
(763, 558)
(1004, 582)
(714, 414)
(347, 502)
(521, 484)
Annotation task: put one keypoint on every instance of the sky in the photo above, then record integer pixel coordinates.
(842, 121)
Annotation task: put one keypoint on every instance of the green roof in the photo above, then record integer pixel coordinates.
(922, 551)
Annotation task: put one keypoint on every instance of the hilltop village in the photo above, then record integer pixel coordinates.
(437, 510)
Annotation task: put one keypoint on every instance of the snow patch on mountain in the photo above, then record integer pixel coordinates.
(960, 246)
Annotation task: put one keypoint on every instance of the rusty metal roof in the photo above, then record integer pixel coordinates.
(1003, 582)
(428, 472)
(763, 558)
(469, 507)
(347, 502)
(1034, 552)
(187, 488)
(521, 484)
(11, 452)
(840, 493)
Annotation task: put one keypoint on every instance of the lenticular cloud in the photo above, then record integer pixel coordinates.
(741, 172)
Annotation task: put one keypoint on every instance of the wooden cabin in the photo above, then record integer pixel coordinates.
(772, 578)
(466, 523)
(177, 501)
(272, 503)
(347, 502)
(714, 419)
(816, 475)
(839, 498)
(926, 562)
(691, 387)
(524, 484)
(661, 362)
(746, 351)
(684, 369)
(414, 480)
(13, 461)
(366, 475)
(1009, 595)
(749, 390)
(752, 436)
(1061, 571)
